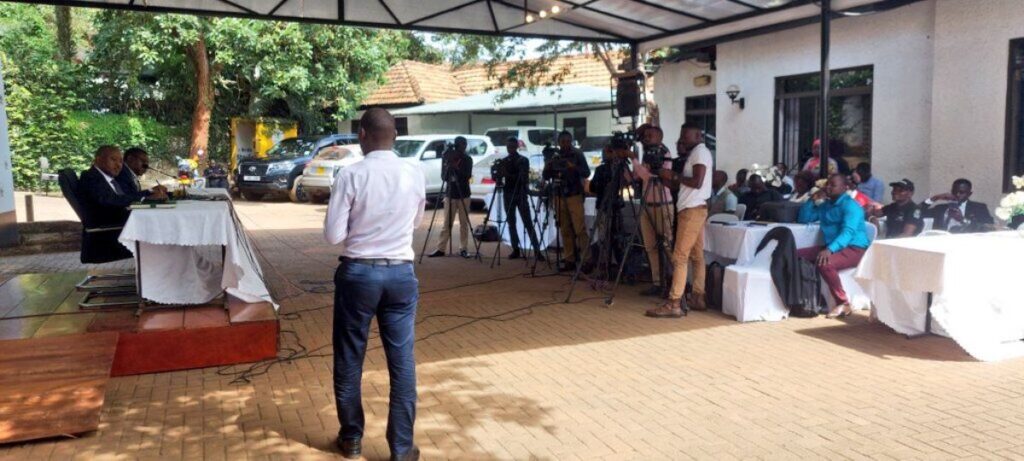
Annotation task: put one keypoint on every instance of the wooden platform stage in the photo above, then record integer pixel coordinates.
(45, 338)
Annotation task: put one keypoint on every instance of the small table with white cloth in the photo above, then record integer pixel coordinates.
(738, 241)
(169, 244)
(974, 281)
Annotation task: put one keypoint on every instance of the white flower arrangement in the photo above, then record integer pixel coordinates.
(1012, 204)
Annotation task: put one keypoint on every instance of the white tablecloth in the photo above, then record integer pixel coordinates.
(975, 281)
(180, 249)
(739, 242)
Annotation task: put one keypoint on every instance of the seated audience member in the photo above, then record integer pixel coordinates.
(722, 199)
(867, 183)
(786, 185)
(902, 216)
(759, 194)
(845, 236)
(815, 160)
(957, 213)
(216, 176)
(861, 198)
(740, 187)
(803, 183)
(136, 163)
(104, 198)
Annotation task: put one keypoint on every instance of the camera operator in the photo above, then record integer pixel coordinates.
(656, 222)
(567, 169)
(514, 174)
(456, 169)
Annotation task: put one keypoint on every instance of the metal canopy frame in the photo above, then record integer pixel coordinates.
(629, 22)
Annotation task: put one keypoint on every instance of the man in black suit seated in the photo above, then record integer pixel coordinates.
(105, 205)
(136, 162)
(958, 214)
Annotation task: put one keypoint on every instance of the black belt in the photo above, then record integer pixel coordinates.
(374, 261)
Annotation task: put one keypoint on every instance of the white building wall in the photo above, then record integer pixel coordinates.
(969, 93)
(897, 43)
(599, 122)
(674, 83)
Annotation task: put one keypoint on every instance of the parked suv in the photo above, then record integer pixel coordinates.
(425, 152)
(531, 138)
(276, 173)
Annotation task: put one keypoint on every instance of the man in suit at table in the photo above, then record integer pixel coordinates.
(958, 214)
(136, 163)
(105, 203)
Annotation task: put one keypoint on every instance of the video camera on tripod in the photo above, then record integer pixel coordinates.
(499, 170)
(655, 157)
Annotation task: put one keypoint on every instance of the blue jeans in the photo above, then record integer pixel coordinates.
(363, 291)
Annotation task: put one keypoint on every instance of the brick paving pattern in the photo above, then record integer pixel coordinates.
(561, 381)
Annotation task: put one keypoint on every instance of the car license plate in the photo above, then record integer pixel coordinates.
(250, 178)
(320, 170)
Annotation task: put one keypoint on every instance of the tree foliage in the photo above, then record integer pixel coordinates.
(129, 79)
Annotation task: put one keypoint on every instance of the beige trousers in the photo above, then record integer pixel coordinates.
(689, 248)
(451, 207)
(573, 228)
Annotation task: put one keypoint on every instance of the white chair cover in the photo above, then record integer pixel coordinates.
(748, 292)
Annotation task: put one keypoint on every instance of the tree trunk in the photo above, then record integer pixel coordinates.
(65, 45)
(200, 136)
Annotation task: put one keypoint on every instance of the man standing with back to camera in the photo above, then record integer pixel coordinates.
(694, 183)
(375, 206)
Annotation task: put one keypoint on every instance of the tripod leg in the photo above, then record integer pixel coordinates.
(430, 228)
(487, 218)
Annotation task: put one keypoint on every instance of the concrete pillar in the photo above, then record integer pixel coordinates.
(8, 219)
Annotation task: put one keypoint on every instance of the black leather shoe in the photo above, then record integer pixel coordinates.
(567, 267)
(515, 255)
(411, 455)
(464, 253)
(350, 448)
(435, 254)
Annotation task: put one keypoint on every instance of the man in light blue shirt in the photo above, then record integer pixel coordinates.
(842, 226)
(869, 185)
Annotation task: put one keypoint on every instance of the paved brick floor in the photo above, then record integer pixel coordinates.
(563, 381)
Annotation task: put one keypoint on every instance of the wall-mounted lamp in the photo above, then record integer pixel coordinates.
(732, 92)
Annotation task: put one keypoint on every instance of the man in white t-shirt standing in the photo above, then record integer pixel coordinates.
(694, 184)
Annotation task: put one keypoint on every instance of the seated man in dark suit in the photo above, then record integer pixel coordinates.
(104, 198)
(958, 214)
(105, 204)
(136, 163)
(758, 195)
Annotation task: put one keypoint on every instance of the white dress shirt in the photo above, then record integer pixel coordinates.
(375, 206)
(110, 179)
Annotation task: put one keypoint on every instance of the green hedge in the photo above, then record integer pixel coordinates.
(69, 141)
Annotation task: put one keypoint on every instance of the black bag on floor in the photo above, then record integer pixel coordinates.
(486, 234)
(714, 275)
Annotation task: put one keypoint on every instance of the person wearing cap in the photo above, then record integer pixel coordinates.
(902, 216)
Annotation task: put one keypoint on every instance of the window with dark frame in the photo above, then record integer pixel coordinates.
(1014, 156)
(797, 116)
(700, 111)
(402, 126)
(577, 126)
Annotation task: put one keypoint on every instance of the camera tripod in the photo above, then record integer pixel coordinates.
(608, 222)
(450, 212)
(501, 221)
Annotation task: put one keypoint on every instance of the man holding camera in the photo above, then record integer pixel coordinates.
(514, 174)
(566, 170)
(694, 184)
(456, 169)
(656, 222)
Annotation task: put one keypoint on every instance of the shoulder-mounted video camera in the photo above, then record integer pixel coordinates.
(655, 157)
